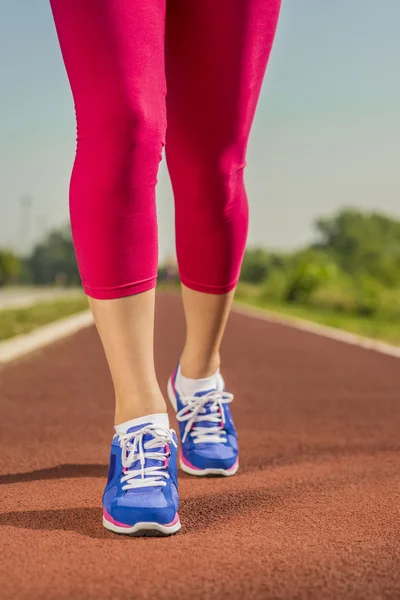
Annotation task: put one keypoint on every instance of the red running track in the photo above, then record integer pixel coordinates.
(313, 512)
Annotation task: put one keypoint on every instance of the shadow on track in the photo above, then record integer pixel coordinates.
(196, 514)
(57, 472)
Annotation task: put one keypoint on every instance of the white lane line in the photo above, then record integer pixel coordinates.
(43, 336)
(322, 330)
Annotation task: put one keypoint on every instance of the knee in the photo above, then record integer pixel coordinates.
(146, 127)
(119, 147)
(122, 129)
(220, 182)
(229, 161)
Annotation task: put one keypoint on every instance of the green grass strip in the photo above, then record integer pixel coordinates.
(16, 321)
(372, 327)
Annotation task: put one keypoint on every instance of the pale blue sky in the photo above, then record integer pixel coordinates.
(326, 134)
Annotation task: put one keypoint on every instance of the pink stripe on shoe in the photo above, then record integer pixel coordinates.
(233, 466)
(174, 522)
(113, 521)
(189, 464)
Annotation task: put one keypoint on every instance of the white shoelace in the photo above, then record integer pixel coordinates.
(194, 411)
(134, 450)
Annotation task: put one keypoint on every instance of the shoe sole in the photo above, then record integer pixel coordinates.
(143, 529)
(194, 470)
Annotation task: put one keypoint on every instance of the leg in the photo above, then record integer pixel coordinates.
(126, 328)
(206, 316)
(114, 54)
(215, 67)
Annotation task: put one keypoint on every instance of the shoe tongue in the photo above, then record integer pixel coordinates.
(207, 408)
(149, 462)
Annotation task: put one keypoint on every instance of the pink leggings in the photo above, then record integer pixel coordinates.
(121, 57)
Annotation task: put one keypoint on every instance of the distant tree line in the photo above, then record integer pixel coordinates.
(52, 261)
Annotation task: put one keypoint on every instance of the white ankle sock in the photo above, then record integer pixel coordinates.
(189, 387)
(158, 419)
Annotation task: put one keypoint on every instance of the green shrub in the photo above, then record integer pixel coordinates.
(368, 296)
(246, 291)
(363, 296)
(339, 294)
(390, 303)
(259, 263)
(275, 285)
(10, 266)
(255, 265)
(311, 270)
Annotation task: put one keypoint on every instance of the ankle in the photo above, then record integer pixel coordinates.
(125, 409)
(158, 419)
(197, 368)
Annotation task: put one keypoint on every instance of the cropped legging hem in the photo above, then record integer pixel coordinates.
(121, 291)
(208, 289)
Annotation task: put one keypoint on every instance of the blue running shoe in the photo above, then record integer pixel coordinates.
(141, 495)
(208, 436)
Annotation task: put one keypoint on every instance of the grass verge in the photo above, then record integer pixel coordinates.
(372, 327)
(16, 321)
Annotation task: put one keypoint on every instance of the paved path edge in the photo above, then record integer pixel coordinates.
(21, 345)
(323, 330)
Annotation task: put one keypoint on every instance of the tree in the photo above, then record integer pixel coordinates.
(311, 270)
(53, 260)
(10, 266)
(259, 263)
(363, 244)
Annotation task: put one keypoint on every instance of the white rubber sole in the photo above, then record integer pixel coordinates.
(193, 471)
(205, 472)
(143, 529)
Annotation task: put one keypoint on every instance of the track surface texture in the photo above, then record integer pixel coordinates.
(313, 512)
